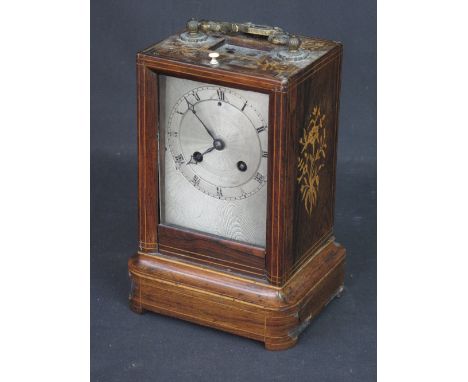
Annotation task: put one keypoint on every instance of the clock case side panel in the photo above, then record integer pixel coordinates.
(183, 244)
(148, 191)
(275, 261)
(313, 120)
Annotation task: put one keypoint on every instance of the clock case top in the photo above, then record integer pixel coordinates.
(245, 55)
(294, 89)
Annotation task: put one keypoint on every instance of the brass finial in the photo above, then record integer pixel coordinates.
(192, 26)
(293, 43)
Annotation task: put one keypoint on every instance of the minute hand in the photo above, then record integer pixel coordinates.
(206, 128)
(192, 109)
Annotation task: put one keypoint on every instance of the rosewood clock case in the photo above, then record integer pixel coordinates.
(266, 293)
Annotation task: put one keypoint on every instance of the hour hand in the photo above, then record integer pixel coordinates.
(208, 150)
(198, 156)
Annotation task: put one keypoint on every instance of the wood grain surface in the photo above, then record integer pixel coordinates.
(253, 309)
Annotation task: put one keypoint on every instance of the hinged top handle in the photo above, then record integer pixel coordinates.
(196, 32)
(248, 28)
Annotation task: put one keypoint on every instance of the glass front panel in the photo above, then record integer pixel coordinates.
(213, 159)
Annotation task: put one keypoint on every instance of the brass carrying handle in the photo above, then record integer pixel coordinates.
(275, 35)
(248, 28)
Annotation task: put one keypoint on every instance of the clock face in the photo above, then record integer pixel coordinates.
(215, 138)
(213, 164)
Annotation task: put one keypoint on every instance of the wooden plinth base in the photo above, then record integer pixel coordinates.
(249, 308)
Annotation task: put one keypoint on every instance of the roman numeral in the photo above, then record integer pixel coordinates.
(243, 107)
(196, 96)
(219, 192)
(179, 159)
(261, 128)
(196, 180)
(220, 94)
(180, 112)
(259, 178)
(264, 154)
(174, 134)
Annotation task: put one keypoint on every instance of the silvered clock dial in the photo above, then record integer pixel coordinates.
(214, 150)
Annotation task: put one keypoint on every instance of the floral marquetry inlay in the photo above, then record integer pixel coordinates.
(311, 159)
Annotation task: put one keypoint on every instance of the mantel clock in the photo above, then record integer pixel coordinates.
(237, 135)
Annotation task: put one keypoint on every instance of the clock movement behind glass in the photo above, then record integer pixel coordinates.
(237, 132)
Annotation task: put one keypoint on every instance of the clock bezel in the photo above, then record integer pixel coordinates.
(157, 238)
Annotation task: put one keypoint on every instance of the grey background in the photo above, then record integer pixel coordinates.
(340, 345)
